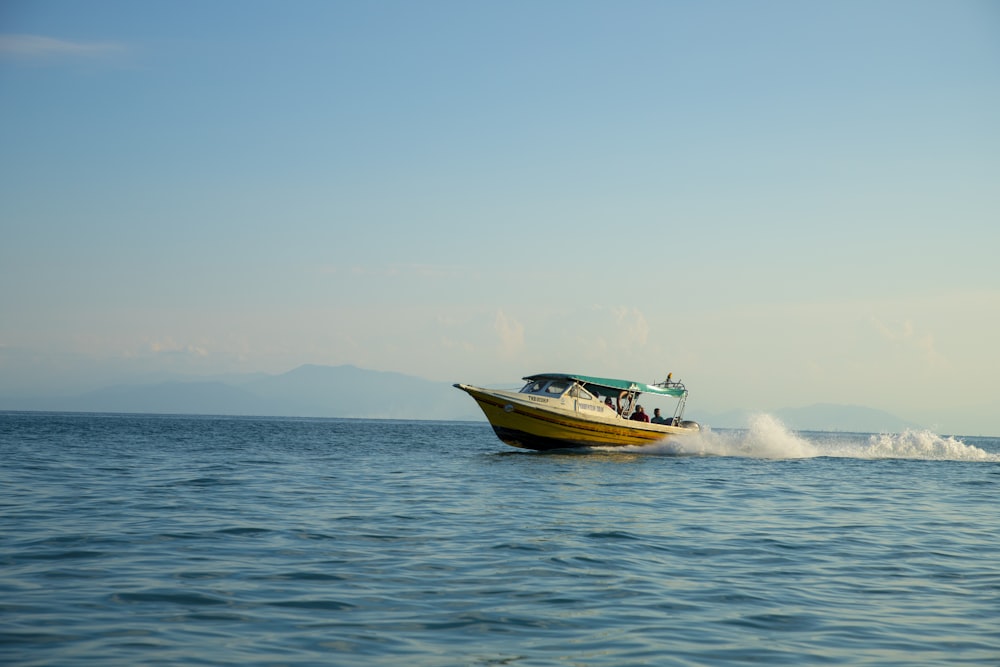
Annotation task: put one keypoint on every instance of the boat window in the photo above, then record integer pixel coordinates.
(556, 387)
(576, 391)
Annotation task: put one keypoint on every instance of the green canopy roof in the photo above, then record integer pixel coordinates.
(674, 389)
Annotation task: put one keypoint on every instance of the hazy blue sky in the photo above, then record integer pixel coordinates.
(784, 203)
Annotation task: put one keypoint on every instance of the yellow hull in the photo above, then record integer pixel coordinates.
(520, 424)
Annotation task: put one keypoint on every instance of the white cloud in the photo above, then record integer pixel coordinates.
(510, 331)
(905, 335)
(459, 345)
(394, 271)
(633, 328)
(169, 346)
(40, 47)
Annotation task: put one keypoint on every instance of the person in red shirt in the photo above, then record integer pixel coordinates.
(639, 415)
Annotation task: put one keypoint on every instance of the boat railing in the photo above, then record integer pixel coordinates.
(670, 384)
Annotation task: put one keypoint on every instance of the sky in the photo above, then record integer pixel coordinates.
(782, 203)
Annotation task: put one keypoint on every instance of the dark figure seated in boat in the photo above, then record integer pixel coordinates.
(660, 419)
(639, 415)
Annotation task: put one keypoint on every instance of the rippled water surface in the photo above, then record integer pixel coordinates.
(162, 540)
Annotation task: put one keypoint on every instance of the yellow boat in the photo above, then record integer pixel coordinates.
(560, 410)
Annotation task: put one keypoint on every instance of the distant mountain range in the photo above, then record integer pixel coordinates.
(307, 391)
(348, 391)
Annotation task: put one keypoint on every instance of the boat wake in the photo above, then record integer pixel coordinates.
(768, 438)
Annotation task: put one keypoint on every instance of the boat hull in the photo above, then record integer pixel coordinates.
(520, 424)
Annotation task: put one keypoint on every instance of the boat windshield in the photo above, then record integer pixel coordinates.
(557, 387)
(547, 387)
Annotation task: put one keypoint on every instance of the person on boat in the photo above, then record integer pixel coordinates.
(608, 403)
(658, 418)
(639, 415)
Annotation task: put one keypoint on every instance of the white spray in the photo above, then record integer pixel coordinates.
(767, 438)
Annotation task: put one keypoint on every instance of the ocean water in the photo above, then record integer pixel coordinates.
(167, 540)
